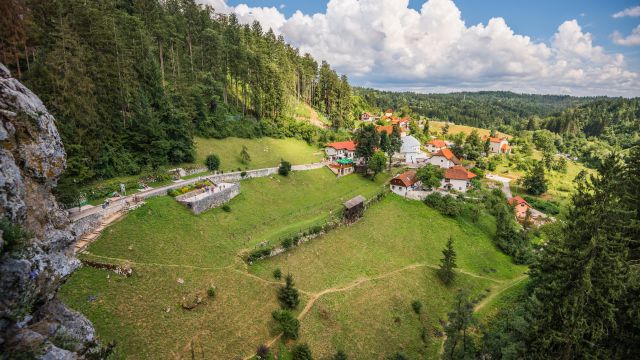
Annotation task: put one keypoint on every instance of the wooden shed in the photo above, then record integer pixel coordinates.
(354, 208)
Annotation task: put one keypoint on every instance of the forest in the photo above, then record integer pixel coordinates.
(130, 82)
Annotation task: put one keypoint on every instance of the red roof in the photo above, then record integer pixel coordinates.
(405, 179)
(438, 143)
(517, 200)
(494, 140)
(397, 121)
(504, 147)
(381, 128)
(458, 172)
(343, 145)
(448, 154)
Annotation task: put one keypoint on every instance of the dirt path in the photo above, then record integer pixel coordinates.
(314, 297)
(314, 119)
(486, 301)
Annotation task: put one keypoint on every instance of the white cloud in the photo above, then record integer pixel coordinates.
(632, 12)
(386, 44)
(632, 40)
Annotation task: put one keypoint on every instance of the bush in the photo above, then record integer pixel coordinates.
(211, 291)
(285, 168)
(446, 205)
(243, 174)
(14, 236)
(257, 254)
(288, 294)
(340, 355)
(287, 324)
(212, 162)
(416, 305)
(226, 208)
(301, 352)
(547, 207)
(287, 243)
(277, 274)
(263, 352)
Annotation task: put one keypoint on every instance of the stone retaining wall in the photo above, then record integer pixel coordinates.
(86, 225)
(213, 200)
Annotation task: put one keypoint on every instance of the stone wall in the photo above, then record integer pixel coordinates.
(237, 175)
(208, 202)
(86, 225)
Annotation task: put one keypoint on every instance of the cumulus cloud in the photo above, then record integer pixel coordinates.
(632, 40)
(386, 44)
(632, 12)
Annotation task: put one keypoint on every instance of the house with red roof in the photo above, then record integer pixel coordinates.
(388, 112)
(368, 117)
(444, 158)
(498, 145)
(401, 184)
(436, 145)
(403, 123)
(457, 178)
(520, 206)
(340, 149)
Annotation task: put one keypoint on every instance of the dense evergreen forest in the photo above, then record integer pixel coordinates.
(131, 81)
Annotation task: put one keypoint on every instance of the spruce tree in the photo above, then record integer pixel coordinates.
(535, 182)
(448, 263)
(459, 344)
(288, 294)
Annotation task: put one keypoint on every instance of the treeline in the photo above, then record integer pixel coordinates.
(131, 81)
(485, 109)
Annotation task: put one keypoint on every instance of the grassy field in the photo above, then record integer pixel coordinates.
(561, 185)
(453, 129)
(264, 152)
(358, 280)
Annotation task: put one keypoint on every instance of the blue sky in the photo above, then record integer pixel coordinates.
(539, 20)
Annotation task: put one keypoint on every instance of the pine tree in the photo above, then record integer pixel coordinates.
(448, 264)
(459, 344)
(288, 294)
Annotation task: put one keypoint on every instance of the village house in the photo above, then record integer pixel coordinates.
(388, 112)
(368, 117)
(403, 123)
(401, 184)
(457, 178)
(436, 145)
(520, 206)
(498, 145)
(389, 129)
(410, 151)
(340, 150)
(444, 158)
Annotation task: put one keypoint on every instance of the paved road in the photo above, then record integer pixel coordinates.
(120, 203)
(505, 184)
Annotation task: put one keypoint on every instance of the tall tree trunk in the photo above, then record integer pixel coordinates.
(191, 55)
(26, 53)
(161, 63)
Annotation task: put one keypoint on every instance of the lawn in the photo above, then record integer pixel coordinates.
(455, 128)
(376, 267)
(561, 185)
(264, 152)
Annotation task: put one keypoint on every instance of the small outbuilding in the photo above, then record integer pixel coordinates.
(354, 208)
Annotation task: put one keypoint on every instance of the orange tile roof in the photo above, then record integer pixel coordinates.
(493, 139)
(343, 145)
(458, 172)
(448, 154)
(504, 147)
(388, 129)
(517, 200)
(437, 143)
(405, 179)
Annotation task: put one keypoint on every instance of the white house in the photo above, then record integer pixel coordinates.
(368, 117)
(457, 178)
(405, 182)
(388, 112)
(498, 145)
(444, 158)
(410, 150)
(436, 145)
(340, 150)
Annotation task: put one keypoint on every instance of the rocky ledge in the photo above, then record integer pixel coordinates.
(36, 244)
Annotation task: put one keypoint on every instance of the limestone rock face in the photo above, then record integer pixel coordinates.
(34, 263)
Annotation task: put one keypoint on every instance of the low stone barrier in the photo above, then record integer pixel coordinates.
(214, 199)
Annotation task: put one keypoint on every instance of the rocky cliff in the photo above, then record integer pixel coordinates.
(36, 252)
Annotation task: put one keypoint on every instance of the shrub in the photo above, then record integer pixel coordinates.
(277, 274)
(263, 352)
(14, 236)
(416, 305)
(340, 355)
(212, 162)
(257, 254)
(446, 205)
(211, 291)
(287, 324)
(301, 352)
(285, 168)
(287, 243)
(226, 208)
(243, 174)
(547, 207)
